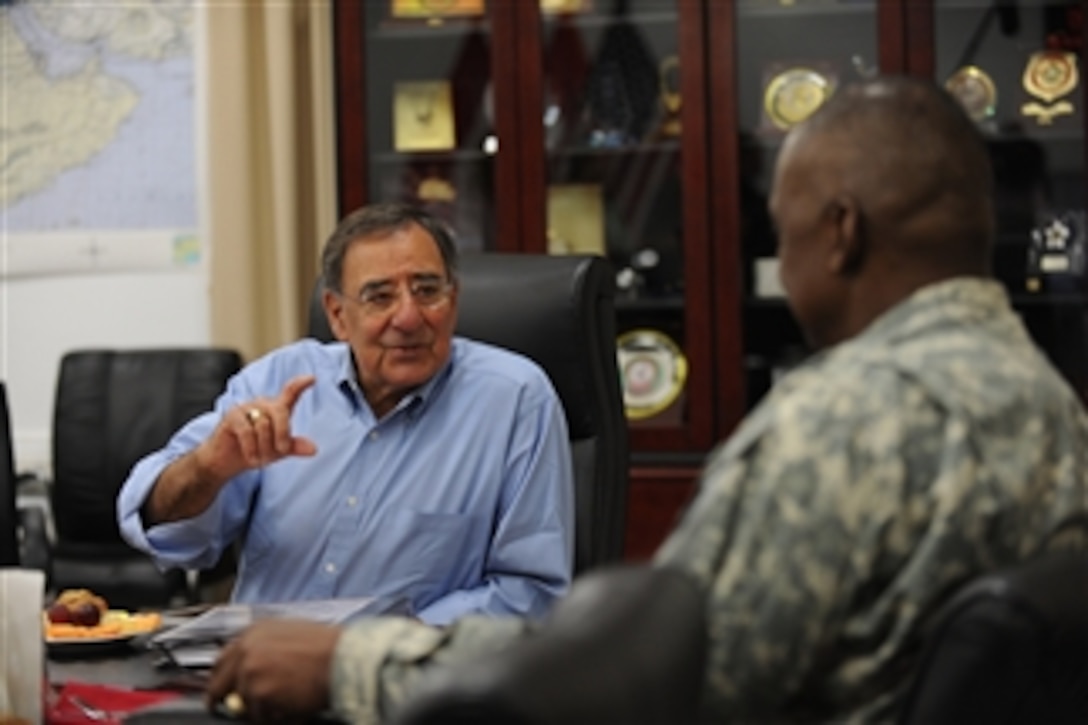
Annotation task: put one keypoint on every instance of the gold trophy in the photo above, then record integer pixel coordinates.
(1048, 76)
(669, 83)
(975, 91)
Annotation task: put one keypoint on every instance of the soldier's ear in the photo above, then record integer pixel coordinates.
(849, 242)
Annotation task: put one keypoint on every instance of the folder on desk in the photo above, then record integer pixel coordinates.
(196, 643)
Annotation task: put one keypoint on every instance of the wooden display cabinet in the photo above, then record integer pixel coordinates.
(647, 131)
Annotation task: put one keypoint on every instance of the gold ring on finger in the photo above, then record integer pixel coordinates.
(253, 415)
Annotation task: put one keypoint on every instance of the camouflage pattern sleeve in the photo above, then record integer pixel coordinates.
(809, 501)
(378, 661)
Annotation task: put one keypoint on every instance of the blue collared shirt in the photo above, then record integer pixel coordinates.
(461, 499)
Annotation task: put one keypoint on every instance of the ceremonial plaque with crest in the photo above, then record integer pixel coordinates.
(975, 90)
(424, 9)
(1057, 252)
(792, 95)
(1050, 77)
(653, 371)
(423, 116)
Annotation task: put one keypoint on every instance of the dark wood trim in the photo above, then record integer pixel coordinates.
(511, 71)
(918, 31)
(349, 43)
(892, 44)
(529, 232)
(658, 496)
(725, 217)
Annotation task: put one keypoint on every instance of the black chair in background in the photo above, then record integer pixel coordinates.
(112, 408)
(9, 536)
(627, 645)
(558, 311)
(24, 537)
(1010, 647)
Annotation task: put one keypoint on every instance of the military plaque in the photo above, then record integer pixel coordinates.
(1048, 76)
(425, 9)
(975, 90)
(423, 116)
(575, 219)
(1056, 251)
(653, 371)
(794, 94)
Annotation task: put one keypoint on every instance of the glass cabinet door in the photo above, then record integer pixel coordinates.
(791, 55)
(419, 121)
(1016, 68)
(619, 163)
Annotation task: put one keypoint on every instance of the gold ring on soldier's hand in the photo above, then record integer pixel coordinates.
(253, 415)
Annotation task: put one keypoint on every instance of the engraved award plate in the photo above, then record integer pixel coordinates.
(575, 219)
(975, 90)
(424, 9)
(794, 94)
(653, 371)
(423, 116)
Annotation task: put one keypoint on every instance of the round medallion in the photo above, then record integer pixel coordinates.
(975, 91)
(794, 94)
(653, 370)
(1050, 74)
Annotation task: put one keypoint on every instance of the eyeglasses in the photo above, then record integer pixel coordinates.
(382, 297)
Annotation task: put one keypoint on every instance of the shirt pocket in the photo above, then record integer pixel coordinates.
(429, 553)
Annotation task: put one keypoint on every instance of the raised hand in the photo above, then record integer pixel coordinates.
(255, 434)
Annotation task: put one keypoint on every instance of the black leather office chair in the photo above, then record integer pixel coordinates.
(9, 537)
(112, 408)
(1010, 647)
(627, 645)
(557, 310)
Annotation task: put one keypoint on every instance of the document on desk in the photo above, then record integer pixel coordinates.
(196, 643)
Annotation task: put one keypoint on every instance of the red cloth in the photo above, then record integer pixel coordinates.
(116, 702)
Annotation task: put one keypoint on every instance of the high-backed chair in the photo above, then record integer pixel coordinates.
(558, 311)
(1010, 647)
(627, 645)
(112, 408)
(9, 538)
(24, 538)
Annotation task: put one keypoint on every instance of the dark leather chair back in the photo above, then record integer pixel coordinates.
(1011, 647)
(112, 408)
(558, 311)
(627, 645)
(9, 539)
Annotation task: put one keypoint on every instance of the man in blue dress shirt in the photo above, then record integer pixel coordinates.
(401, 461)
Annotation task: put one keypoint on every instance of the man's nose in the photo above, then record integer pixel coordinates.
(406, 313)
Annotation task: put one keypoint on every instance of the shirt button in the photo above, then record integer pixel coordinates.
(352, 500)
(330, 568)
(373, 435)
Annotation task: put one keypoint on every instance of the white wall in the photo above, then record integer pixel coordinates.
(43, 317)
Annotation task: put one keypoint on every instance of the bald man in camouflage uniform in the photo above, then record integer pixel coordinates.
(929, 441)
